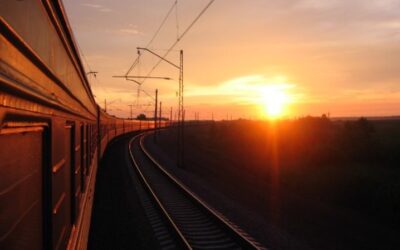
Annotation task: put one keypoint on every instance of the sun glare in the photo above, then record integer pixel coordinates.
(274, 100)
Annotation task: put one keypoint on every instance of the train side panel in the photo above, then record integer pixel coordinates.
(44, 58)
(22, 163)
(52, 133)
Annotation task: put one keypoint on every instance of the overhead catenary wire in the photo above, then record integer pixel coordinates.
(139, 86)
(179, 38)
(162, 23)
(90, 69)
(154, 36)
(177, 20)
(133, 65)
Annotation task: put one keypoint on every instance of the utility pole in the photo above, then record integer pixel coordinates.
(170, 117)
(105, 105)
(175, 116)
(130, 105)
(181, 117)
(155, 117)
(180, 102)
(160, 115)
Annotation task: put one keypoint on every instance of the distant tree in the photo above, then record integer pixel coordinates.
(362, 127)
(212, 130)
(365, 126)
(141, 117)
(358, 140)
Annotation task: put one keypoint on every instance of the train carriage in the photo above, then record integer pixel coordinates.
(52, 131)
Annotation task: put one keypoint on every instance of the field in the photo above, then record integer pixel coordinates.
(327, 184)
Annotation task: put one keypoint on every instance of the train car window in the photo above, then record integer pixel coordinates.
(22, 198)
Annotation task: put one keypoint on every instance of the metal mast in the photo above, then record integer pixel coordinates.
(181, 117)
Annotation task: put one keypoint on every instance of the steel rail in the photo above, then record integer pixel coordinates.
(242, 240)
(182, 240)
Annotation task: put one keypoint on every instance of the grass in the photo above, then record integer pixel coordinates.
(333, 184)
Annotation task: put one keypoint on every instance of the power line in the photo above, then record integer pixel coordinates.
(180, 38)
(177, 20)
(133, 65)
(84, 57)
(154, 36)
(162, 23)
(196, 19)
(90, 69)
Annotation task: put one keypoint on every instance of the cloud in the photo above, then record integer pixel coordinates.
(373, 94)
(326, 47)
(105, 10)
(315, 4)
(97, 7)
(391, 24)
(131, 29)
(244, 90)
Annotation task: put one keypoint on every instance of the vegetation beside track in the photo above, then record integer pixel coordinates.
(330, 183)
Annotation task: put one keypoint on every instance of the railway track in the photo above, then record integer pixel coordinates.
(190, 222)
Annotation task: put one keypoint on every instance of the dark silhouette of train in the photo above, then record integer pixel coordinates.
(52, 132)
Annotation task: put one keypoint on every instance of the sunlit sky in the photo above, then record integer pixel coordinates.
(310, 56)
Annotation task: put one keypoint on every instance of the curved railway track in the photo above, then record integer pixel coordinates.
(191, 223)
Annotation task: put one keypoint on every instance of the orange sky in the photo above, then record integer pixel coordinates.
(341, 57)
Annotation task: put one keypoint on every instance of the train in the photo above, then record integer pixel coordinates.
(52, 132)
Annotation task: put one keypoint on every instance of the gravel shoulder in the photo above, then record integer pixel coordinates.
(118, 218)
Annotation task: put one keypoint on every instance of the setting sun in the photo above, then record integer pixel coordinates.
(274, 100)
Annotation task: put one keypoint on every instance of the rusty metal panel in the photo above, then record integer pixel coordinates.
(21, 180)
(83, 157)
(86, 154)
(28, 20)
(61, 192)
(89, 139)
(93, 141)
(76, 172)
(21, 74)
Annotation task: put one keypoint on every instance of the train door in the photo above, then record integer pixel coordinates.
(61, 186)
(75, 172)
(84, 156)
(89, 147)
